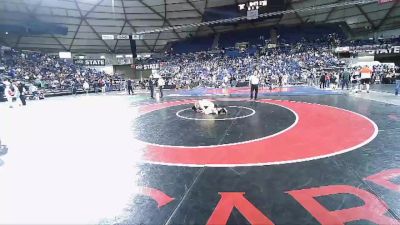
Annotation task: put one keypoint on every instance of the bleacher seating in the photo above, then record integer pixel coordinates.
(195, 44)
(255, 36)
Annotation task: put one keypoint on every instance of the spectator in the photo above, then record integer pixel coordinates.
(397, 84)
(346, 79)
(102, 84)
(328, 77)
(151, 87)
(322, 81)
(161, 84)
(130, 89)
(366, 74)
(11, 93)
(86, 87)
(22, 92)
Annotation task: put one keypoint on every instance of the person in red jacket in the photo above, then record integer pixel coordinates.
(328, 80)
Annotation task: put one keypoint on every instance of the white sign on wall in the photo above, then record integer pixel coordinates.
(65, 55)
(137, 37)
(107, 37)
(123, 37)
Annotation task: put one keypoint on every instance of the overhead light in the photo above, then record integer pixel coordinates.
(81, 57)
(102, 57)
(119, 56)
(6, 32)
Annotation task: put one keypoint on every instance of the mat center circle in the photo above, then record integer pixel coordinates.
(234, 113)
(246, 121)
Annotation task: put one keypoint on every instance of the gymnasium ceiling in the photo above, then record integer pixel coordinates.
(87, 20)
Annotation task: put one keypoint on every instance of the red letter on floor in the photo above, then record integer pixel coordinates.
(383, 179)
(373, 210)
(225, 206)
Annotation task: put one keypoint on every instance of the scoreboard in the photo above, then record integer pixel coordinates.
(253, 5)
(261, 6)
(242, 8)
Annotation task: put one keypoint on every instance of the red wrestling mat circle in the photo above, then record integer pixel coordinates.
(321, 131)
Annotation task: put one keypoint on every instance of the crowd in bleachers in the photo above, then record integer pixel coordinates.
(294, 59)
(40, 72)
(290, 63)
(301, 53)
(276, 64)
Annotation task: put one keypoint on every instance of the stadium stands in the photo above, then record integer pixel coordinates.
(299, 51)
(52, 75)
(196, 44)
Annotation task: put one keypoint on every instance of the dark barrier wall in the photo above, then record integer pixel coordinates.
(388, 58)
(126, 70)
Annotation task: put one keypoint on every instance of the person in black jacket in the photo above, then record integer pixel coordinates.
(95, 86)
(2, 88)
(346, 79)
(397, 77)
(74, 86)
(322, 81)
(130, 89)
(151, 87)
(21, 88)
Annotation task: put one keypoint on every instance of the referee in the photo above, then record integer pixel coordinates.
(254, 81)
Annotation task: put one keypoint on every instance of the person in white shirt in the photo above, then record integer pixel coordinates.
(161, 84)
(254, 80)
(103, 85)
(207, 107)
(226, 81)
(11, 93)
(86, 87)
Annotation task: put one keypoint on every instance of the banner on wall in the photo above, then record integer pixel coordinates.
(370, 50)
(154, 66)
(90, 62)
(392, 50)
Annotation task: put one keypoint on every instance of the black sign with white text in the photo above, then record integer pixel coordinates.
(154, 66)
(90, 62)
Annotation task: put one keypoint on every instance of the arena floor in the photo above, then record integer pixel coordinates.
(294, 156)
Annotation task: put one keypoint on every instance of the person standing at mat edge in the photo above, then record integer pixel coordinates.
(130, 89)
(22, 92)
(366, 74)
(397, 84)
(161, 84)
(322, 81)
(254, 81)
(346, 79)
(151, 86)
